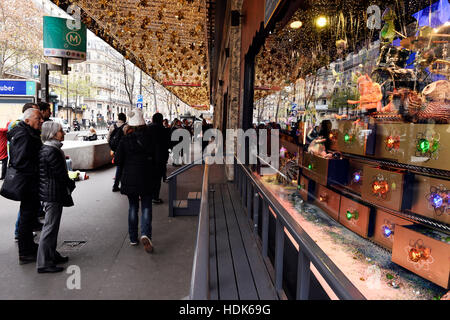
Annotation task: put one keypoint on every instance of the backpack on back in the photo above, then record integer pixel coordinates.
(115, 137)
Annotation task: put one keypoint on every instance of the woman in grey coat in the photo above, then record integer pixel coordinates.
(55, 188)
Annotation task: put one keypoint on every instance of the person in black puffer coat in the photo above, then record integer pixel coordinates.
(55, 188)
(24, 144)
(135, 155)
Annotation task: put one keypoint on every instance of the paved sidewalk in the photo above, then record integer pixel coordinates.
(110, 267)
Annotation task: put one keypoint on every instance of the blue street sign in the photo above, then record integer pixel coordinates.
(18, 88)
(140, 98)
(139, 105)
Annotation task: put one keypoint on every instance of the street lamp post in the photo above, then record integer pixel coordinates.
(67, 97)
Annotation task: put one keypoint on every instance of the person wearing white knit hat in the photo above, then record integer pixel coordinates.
(136, 118)
(135, 155)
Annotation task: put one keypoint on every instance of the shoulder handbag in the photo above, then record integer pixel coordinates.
(14, 185)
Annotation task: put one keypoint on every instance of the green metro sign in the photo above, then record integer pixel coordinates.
(63, 40)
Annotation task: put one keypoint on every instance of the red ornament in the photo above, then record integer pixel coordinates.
(380, 187)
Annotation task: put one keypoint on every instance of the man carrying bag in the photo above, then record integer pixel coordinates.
(22, 178)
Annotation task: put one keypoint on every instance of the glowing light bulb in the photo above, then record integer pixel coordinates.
(321, 21)
(296, 24)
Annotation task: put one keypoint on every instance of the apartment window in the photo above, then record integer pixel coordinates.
(99, 105)
(88, 67)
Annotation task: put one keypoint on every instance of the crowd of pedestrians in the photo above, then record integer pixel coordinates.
(35, 173)
(141, 153)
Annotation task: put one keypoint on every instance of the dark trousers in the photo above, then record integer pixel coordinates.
(160, 173)
(28, 210)
(49, 235)
(4, 165)
(118, 176)
(133, 216)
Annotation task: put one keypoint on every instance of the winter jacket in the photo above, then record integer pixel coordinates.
(3, 143)
(161, 140)
(135, 155)
(25, 143)
(54, 183)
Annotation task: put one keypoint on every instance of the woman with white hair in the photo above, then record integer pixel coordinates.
(55, 188)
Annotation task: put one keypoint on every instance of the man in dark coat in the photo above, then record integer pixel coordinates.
(160, 137)
(25, 143)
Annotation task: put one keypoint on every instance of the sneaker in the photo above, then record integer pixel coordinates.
(157, 201)
(134, 243)
(115, 189)
(148, 245)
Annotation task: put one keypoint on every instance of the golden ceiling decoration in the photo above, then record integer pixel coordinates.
(167, 39)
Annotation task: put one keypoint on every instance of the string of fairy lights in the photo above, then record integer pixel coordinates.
(167, 39)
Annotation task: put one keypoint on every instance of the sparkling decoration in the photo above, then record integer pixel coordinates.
(439, 200)
(393, 143)
(387, 231)
(419, 255)
(352, 215)
(380, 186)
(356, 177)
(347, 137)
(423, 146)
(427, 144)
(166, 39)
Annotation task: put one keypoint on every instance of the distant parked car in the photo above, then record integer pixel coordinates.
(63, 122)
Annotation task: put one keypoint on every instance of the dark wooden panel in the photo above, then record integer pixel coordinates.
(243, 273)
(262, 280)
(213, 280)
(226, 276)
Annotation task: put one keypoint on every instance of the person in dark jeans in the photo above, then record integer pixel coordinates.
(25, 143)
(160, 136)
(135, 155)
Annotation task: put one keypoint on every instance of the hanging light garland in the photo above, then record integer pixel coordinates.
(165, 39)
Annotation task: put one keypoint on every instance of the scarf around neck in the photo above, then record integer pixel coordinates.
(54, 143)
